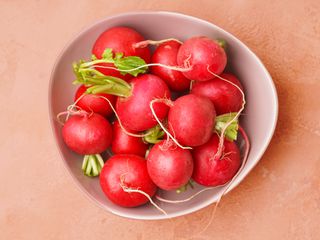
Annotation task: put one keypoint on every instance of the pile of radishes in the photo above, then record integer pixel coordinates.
(169, 117)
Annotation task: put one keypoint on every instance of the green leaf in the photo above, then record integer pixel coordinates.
(86, 73)
(232, 130)
(107, 54)
(100, 83)
(126, 64)
(118, 56)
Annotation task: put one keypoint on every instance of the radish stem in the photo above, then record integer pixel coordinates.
(119, 120)
(154, 135)
(169, 103)
(92, 165)
(222, 43)
(131, 190)
(235, 118)
(99, 83)
(176, 68)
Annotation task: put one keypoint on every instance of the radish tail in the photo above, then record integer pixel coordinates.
(145, 43)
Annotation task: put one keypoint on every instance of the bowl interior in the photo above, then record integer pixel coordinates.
(259, 118)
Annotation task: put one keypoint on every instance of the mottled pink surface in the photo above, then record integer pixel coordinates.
(280, 199)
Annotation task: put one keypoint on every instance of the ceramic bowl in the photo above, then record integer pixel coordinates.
(259, 118)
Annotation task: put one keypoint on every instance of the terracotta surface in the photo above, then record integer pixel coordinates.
(280, 199)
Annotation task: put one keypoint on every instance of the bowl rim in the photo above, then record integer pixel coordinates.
(163, 13)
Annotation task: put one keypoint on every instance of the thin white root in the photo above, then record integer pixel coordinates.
(244, 161)
(117, 116)
(183, 200)
(221, 137)
(59, 116)
(71, 111)
(168, 103)
(213, 213)
(74, 105)
(176, 68)
(130, 190)
(145, 43)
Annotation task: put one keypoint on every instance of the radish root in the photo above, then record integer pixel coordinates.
(245, 157)
(183, 200)
(221, 137)
(145, 43)
(71, 111)
(176, 68)
(131, 190)
(170, 104)
(118, 118)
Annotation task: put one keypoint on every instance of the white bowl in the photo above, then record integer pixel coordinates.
(259, 119)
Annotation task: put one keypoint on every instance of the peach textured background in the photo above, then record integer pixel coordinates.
(280, 199)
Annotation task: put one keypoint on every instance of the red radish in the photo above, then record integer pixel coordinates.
(166, 54)
(169, 166)
(120, 40)
(123, 143)
(124, 172)
(212, 170)
(201, 54)
(191, 120)
(92, 103)
(225, 97)
(134, 111)
(87, 133)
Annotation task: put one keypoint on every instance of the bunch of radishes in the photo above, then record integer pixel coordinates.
(174, 115)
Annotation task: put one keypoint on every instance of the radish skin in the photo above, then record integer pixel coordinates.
(90, 103)
(122, 143)
(191, 120)
(169, 166)
(120, 40)
(210, 170)
(134, 111)
(166, 54)
(201, 53)
(126, 171)
(87, 134)
(225, 97)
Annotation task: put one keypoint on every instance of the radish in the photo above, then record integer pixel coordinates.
(134, 97)
(201, 54)
(120, 40)
(125, 181)
(244, 160)
(191, 120)
(123, 143)
(213, 170)
(169, 166)
(225, 97)
(87, 133)
(134, 111)
(166, 54)
(91, 103)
